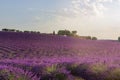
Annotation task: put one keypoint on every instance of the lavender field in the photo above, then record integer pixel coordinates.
(33, 56)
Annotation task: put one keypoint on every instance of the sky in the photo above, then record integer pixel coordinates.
(100, 18)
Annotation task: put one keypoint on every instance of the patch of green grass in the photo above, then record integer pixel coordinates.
(98, 68)
(51, 69)
(113, 74)
(11, 77)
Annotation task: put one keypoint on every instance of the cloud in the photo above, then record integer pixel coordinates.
(88, 7)
(82, 8)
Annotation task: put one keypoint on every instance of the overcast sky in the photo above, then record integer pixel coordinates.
(100, 18)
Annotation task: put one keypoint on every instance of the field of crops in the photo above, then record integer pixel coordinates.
(33, 56)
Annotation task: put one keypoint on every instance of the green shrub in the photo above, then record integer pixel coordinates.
(119, 39)
(51, 69)
(113, 74)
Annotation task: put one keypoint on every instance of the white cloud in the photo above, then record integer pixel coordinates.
(88, 7)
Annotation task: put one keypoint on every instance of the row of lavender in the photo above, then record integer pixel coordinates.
(49, 57)
(15, 45)
(64, 68)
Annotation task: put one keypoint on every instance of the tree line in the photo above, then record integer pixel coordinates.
(14, 30)
(74, 34)
(60, 32)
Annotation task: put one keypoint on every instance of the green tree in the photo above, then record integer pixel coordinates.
(64, 32)
(53, 32)
(119, 39)
(74, 33)
(94, 38)
(5, 29)
(88, 37)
